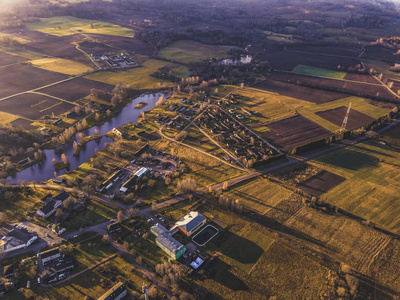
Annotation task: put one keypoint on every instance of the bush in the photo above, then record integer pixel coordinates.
(187, 185)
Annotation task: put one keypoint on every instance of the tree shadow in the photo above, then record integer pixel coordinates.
(237, 247)
(349, 159)
(221, 272)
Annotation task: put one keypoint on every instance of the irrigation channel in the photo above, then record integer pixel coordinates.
(44, 170)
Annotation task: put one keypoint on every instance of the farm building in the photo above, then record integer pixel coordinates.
(167, 243)
(117, 292)
(191, 222)
(48, 256)
(52, 204)
(15, 238)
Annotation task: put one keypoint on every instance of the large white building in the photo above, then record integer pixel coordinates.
(15, 238)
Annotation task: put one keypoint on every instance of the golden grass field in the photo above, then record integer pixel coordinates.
(60, 65)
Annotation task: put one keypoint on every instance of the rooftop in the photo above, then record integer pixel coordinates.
(114, 292)
(190, 221)
(169, 242)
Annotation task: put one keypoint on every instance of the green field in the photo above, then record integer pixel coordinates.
(191, 51)
(372, 173)
(62, 26)
(59, 65)
(358, 104)
(321, 72)
(139, 78)
(258, 195)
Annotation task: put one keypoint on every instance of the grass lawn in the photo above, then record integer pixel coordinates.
(6, 118)
(372, 171)
(315, 71)
(259, 195)
(96, 213)
(137, 77)
(191, 51)
(239, 241)
(268, 105)
(60, 65)
(289, 275)
(204, 169)
(358, 104)
(66, 25)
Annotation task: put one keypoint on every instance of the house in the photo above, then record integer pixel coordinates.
(117, 292)
(167, 243)
(49, 256)
(15, 238)
(49, 208)
(8, 271)
(52, 204)
(118, 133)
(191, 223)
(63, 196)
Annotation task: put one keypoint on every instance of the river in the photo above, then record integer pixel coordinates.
(44, 170)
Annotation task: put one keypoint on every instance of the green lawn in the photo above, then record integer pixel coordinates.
(372, 173)
(139, 77)
(258, 195)
(315, 71)
(66, 25)
(191, 51)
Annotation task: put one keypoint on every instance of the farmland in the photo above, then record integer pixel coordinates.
(294, 131)
(267, 104)
(321, 72)
(321, 183)
(75, 89)
(190, 51)
(20, 78)
(258, 195)
(287, 60)
(137, 77)
(350, 87)
(372, 172)
(59, 65)
(356, 119)
(34, 106)
(299, 92)
(61, 26)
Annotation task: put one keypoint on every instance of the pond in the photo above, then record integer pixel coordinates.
(44, 170)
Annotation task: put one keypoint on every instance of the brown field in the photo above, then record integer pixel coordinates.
(20, 78)
(299, 92)
(380, 53)
(294, 131)
(34, 106)
(22, 123)
(125, 43)
(287, 61)
(75, 89)
(336, 116)
(57, 46)
(325, 50)
(8, 59)
(321, 183)
(353, 88)
(360, 77)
